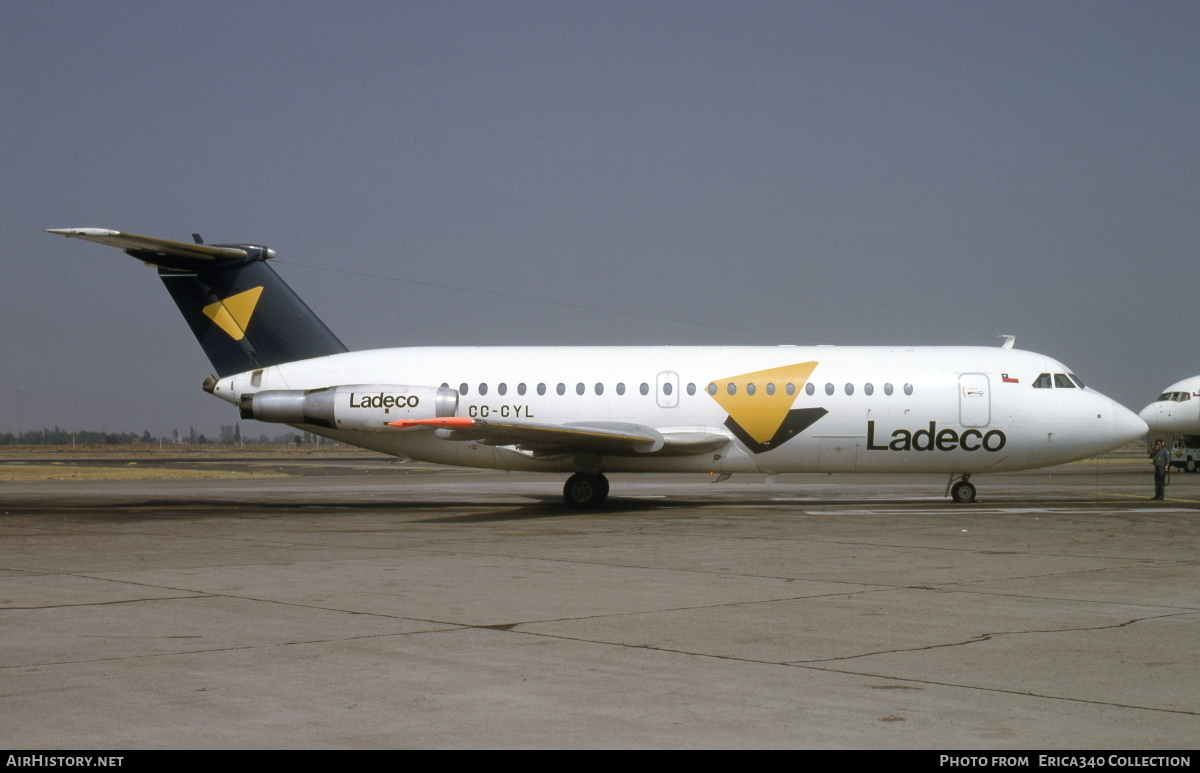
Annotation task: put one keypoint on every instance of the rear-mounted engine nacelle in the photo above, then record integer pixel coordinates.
(362, 407)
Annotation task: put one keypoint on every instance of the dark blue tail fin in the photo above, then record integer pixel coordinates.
(244, 316)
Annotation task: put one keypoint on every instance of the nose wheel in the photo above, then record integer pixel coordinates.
(585, 489)
(962, 491)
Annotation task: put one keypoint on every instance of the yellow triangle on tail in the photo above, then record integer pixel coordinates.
(233, 314)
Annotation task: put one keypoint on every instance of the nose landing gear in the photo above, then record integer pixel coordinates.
(963, 491)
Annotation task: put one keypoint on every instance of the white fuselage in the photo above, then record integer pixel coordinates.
(881, 409)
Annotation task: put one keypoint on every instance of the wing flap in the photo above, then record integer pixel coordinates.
(598, 437)
(604, 438)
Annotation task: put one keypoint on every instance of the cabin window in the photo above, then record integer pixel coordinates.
(580, 388)
(691, 389)
(521, 388)
(667, 388)
(561, 388)
(711, 389)
(791, 389)
(644, 388)
(868, 388)
(770, 388)
(1062, 382)
(829, 389)
(541, 389)
(502, 388)
(849, 388)
(483, 389)
(908, 389)
(1042, 381)
(887, 389)
(621, 388)
(808, 389)
(599, 388)
(750, 388)
(463, 389)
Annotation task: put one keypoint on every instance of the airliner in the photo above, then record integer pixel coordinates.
(1177, 410)
(1174, 417)
(588, 411)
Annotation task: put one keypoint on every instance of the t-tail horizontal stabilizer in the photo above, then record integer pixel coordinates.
(244, 316)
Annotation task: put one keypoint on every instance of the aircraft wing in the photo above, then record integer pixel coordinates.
(148, 248)
(612, 438)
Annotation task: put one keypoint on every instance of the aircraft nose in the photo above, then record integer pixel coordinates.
(1149, 414)
(1127, 425)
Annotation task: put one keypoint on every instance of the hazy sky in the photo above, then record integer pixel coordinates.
(600, 173)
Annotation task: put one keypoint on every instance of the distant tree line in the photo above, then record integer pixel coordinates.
(229, 435)
(60, 437)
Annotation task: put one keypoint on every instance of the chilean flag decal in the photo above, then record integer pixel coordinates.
(1007, 380)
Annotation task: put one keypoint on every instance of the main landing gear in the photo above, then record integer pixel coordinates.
(585, 489)
(962, 492)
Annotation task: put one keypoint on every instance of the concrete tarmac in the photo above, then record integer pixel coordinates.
(360, 603)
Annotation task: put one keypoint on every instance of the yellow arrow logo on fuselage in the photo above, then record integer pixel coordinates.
(233, 314)
(759, 409)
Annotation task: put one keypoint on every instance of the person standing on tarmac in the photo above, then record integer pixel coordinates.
(1162, 462)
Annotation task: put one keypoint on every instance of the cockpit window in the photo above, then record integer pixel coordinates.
(1062, 381)
(1174, 397)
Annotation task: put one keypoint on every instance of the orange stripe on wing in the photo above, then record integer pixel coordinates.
(457, 422)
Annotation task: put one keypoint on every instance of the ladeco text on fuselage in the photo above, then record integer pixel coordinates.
(934, 439)
(382, 400)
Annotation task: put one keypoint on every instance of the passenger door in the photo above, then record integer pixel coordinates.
(974, 400)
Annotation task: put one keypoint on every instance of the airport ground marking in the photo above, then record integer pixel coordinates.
(1169, 499)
